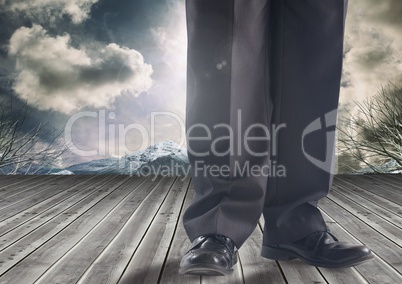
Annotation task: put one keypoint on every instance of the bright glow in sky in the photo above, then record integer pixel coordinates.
(128, 58)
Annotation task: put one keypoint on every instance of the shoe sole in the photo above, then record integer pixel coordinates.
(205, 270)
(282, 254)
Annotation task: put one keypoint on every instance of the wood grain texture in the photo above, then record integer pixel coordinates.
(178, 247)
(127, 229)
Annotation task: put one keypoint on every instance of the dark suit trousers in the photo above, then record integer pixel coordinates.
(263, 82)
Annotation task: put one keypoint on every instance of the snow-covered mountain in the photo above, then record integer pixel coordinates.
(165, 158)
(390, 167)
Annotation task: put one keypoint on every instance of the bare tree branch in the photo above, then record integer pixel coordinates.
(26, 152)
(374, 135)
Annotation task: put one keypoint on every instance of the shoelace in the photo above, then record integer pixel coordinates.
(329, 233)
(323, 236)
(220, 239)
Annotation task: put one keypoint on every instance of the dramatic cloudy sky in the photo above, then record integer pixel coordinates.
(124, 59)
(373, 47)
(119, 60)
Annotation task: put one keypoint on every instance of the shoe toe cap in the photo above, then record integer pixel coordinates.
(344, 253)
(205, 257)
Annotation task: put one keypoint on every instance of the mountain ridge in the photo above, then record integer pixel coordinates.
(166, 158)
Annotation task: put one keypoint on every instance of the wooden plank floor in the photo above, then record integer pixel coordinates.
(122, 229)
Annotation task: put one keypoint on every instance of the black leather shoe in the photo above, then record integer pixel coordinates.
(211, 255)
(320, 249)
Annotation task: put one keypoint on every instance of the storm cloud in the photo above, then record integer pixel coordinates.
(373, 41)
(50, 10)
(129, 57)
(53, 74)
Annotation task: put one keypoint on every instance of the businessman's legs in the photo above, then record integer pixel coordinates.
(227, 93)
(306, 52)
(253, 63)
(227, 102)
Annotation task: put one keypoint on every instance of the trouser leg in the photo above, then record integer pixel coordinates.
(227, 92)
(306, 52)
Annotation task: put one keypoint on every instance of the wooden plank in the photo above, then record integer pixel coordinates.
(16, 228)
(383, 247)
(373, 271)
(338, 275)
(380, 211)
(235, 278)
(392, 197)
(147, 261)
(13, 178)
(178, 248)
(7, 177)
(36, 198)
(73, 264)
(397, 177)
(374, 185)
(342, 276)
(35, 210)
(388, 177)
(387, 229)
(74, 223)
(257, 269)
(8, 183)
(344, 187)
(295, 271)
(360, 207)
(109, 266)
(26, 190)
(396, 183)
